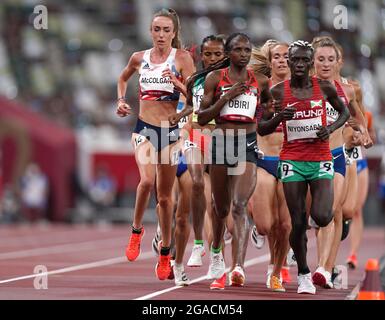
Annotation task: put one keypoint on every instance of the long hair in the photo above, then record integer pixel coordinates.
(261, 57)
(171, 13)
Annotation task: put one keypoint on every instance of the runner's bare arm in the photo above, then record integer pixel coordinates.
(268, 123)
(208, 110)
(358, 117)
(132, 66)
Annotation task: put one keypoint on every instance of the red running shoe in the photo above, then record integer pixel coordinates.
(285, 275)
(133, 246)
(352, 261)
(219, 284)
(163, 267)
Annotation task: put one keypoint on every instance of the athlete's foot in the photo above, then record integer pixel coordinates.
(133, 246)
(217, 265)
(237, 277)
(276, 284)
(352, 262)
(180, 275)
(285, 275)
(219, 284)
(257, 239)
(163, 267)
(155, 242)
(198, 251)
(305, 284)
(321, 277)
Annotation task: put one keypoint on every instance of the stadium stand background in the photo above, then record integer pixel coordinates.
(67, 76)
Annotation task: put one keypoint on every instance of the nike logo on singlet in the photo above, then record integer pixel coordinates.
(292, 104)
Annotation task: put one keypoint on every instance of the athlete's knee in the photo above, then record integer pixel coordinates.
(322, 220)
(182, 222)
(239, 207)
(222, 211)
(146, 184)
(164, 201)
(198, 185)
(284, 228)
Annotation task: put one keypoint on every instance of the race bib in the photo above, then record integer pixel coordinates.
(189, 144)
(331, 114)
(357, 154)
(286, 170)
(303, 129)
(152, 81)
(242, 105)
(138, 140)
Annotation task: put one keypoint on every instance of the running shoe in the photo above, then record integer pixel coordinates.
(257, 239)
(155, 241)
(305, 284)
(276, 284)
(352, 262)
(321, 277)
(290, 259)
(285, 275)
(133, 246)
(180, 275)
(172, 263)
(345, 228)
(198, 251)
(219, 284)
(163, 267)
(217, 265)
(270, 268)
(237, 277)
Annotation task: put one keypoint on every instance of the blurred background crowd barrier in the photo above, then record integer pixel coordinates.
(66, 156)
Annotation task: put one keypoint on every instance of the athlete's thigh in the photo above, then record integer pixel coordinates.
(322, 196)
(220, 187)
(166, 171)
(243, 185)
(262, 199)
(338, 186)
(146, 160)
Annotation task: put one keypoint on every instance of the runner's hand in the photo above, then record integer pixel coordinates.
(288, 113)
(236, 90)
(123, 109)
(324, 133)
(174, 119)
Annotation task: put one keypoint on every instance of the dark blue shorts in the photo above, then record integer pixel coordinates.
(159, 137)
(182, 165)
(361, 165)
(270, 164)
(339, 160)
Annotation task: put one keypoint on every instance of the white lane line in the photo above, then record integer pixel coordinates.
(248, 263)
(96, 264)
(62, 248)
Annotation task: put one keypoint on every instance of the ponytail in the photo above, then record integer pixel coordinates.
(224, 63)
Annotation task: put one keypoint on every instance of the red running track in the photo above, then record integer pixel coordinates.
(88, 262)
